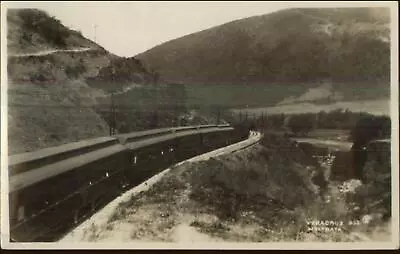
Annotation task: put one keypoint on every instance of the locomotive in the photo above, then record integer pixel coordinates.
(54, 189)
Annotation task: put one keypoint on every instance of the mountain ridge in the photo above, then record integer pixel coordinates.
(288, 45)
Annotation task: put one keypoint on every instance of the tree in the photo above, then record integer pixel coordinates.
(365, 130)
(301, 124)
(369, 128)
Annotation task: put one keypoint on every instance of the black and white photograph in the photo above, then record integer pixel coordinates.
(199, 125)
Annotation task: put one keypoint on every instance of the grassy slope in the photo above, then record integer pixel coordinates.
(32, 30)
(263, 49)
(295, 46)
(238, 96)
(50, 115)
(49, 96)
(262, 194)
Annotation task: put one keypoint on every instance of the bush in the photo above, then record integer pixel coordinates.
(48, 27)
(75, 71)
(335, 119)
(371, 127)
(365, 130)
(301, 124)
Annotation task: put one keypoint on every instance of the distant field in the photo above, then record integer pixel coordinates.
(376, 107)
(241, 96)
(329, 134)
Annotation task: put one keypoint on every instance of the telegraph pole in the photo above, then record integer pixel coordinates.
(176, 122)
(112, 113)
(218, 115)
(262, 119)
(95, 33)
(113, 119)
(247, 107)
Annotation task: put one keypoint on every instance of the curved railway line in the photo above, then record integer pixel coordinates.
(103, 215)
(54, 189)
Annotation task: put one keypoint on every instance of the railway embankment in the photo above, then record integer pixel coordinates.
(272, 191)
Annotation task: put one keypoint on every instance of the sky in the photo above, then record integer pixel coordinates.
(130, 28)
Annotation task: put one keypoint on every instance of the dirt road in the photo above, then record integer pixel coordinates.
(50, 51)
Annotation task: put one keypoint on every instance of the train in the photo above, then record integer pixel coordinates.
(54, 189)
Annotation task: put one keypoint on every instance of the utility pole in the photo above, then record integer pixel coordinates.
(218, 115)
(112, 115)
(176, 115)
(113, 118)
(155, 119)
(247, 113)
(95, 33)
(262, 119)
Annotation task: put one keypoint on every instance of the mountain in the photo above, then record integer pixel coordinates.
(122, 72)
(295, 45)
(59, 82)
(32, 30)
(41, 50)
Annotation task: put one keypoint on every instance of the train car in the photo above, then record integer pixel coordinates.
(226, 137)
(188, 146)
(140, 135)
(28, 161)
(55, 188)
(50, 196)
(148, 157)
(217, 137)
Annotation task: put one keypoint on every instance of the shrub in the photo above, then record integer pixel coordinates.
(371, 127)
(48, 27)
(301, 124)
(75, 71)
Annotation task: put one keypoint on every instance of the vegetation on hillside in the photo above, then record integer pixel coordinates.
(41, 116)
(49, 28)
(32, 30)
(121, 72)
(146, 107)
(60, 97)
(361, 124)
(146, 103)
(299, 46)
(270, 192)
(361, 129)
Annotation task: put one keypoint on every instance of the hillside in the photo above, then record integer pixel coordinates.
(296, 47)
(123, 72)
(56, 81)
(258, 194)
(31, 30)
